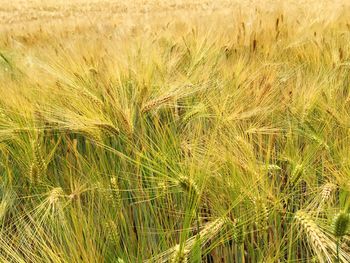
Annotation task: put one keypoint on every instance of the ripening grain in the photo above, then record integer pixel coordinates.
(174, 131)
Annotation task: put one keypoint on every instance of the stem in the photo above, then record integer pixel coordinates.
(338, 259)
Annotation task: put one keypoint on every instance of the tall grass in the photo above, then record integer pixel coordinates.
(216, 134)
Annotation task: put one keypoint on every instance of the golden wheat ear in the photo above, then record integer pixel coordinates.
(116, 195)
(38, 157)
(126, 121)
(181, 252)
(189, 186)
(108, 129)
(198, 110)
(156, 103)
(316, 238)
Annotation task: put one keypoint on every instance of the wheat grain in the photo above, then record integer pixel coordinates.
(318, 240)
(108, 129)
(341, 224)
(151, 105)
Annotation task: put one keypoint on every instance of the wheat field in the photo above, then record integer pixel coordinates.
(174, 131)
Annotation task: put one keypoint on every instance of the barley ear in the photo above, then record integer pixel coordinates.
(155, 103)
(189, 186)
(38, 158)
(341, 224)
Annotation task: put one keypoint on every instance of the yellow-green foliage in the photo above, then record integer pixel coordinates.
(174, 131)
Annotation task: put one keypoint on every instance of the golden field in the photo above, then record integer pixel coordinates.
(174, 131)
